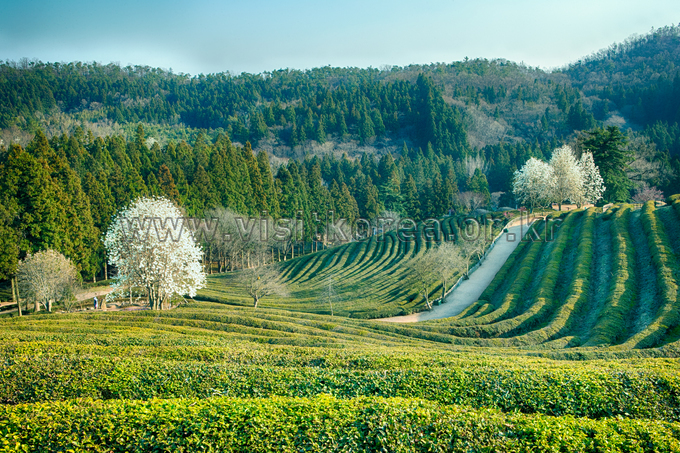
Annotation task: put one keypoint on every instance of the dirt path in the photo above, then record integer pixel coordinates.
(94, 292)
(468, 291)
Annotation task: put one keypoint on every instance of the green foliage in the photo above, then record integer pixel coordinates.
(612, 159)
(207, 350)
(668, 276)
(613, 320)
(315, 424)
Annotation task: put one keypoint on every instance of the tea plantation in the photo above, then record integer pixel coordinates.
(571, 348)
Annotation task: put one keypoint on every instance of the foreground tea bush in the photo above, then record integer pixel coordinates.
(318, 424)
(586, 391)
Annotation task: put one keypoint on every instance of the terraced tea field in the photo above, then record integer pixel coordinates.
(607, 279)
(572, 347)
(369, 278)
(213, 377)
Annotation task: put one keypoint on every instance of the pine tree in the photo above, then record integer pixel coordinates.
(268, 183)
(202, 195)
(612, 158)
(258, 202)
(153, 185)
(411, 201)
(167, 184)
(320, 135)
(342, 126)
(366, 130)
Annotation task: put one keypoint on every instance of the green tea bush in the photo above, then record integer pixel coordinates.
(612, 322)
(577, 289)
(505, 384)
(668, 274)
(322, 423)
(543, 299)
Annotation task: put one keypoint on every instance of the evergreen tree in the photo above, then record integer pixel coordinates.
(366, 130)
(258, 202)
(167, 184)
(411, 201)
(268, 186)
(612, 158)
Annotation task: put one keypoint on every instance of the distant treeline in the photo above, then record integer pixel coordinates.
(62, 193)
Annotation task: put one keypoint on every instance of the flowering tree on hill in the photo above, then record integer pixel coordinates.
(593, 184)
(538, 183)
(533, 184)
(149, 252)
(568, 182)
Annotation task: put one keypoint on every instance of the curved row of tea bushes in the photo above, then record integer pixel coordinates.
(612, 323)
(508, 385)
(317, 424)
(577, 289)
(668, 273)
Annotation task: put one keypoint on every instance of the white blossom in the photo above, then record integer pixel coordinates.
(593, 184)
(164, 265)
(534, 183)
(569, 180)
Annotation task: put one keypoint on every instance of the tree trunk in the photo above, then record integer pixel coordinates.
(255, 301)
(15, 298)
(16, 288)
(106, 270)
(427, 300)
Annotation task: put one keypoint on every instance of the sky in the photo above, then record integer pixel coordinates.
(208, 36)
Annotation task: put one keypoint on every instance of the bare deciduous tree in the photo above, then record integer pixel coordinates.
(472, 245)
(47, 277)
(472, 200)
(645, 193)
(262, 281)
(449, 261)
(424, 274)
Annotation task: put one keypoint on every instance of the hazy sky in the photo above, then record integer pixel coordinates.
(207, 36)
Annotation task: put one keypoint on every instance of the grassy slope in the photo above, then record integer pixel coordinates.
(124, 381)
(271, 380)
(593, 284)
(369, 278)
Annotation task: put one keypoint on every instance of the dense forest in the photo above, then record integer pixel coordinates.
(78, 141)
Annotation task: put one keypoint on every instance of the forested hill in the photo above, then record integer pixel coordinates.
(79, 141)
(453, 107)
(639, 77)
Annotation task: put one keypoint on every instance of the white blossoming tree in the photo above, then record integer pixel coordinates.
(568, 182)
(148, 244)
(534, 183)
(538, 183)
(593, 184)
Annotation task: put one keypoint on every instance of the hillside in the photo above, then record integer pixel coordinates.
(529, 366)
(572, 347)
(603, 279)
(261, 380)
(361, 279)
(504, 111)
(607, 279)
